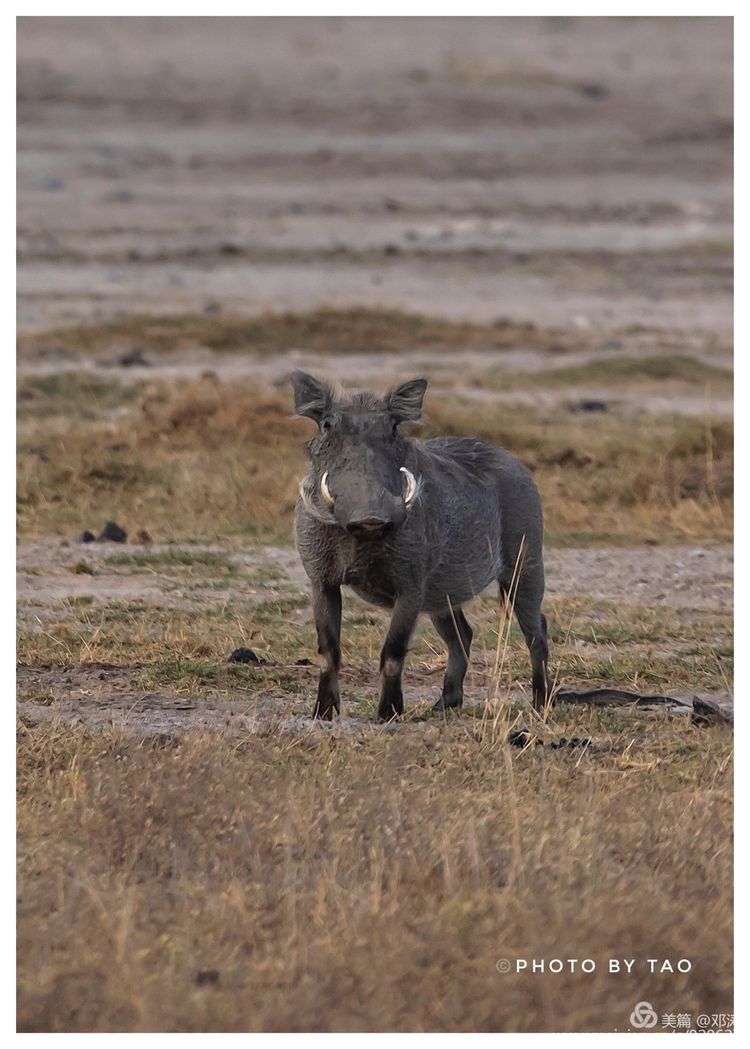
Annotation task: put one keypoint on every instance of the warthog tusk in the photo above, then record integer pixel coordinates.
(325, 490)
(411, 486)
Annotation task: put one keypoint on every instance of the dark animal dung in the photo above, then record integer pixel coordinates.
(134, 358)
(522, 738)
(112, 533)
(244, 655)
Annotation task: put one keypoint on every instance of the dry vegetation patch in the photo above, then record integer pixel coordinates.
(319, 882)
(320, 331)
(195, 459)
(670, 370)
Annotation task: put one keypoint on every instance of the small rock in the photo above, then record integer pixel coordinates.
(143, 538)
(112, 533)
(244, 655)
(574, 741)
(593, 90)
(86, 537)
(589, 404)
(134, 358)
(48, 183)
(207, 977)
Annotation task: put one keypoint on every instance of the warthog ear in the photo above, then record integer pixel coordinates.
(405, 402)
(311, 398)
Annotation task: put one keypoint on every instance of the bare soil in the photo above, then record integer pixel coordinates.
(568, 172)
(689, 579)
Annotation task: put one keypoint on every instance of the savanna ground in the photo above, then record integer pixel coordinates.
(537, 215)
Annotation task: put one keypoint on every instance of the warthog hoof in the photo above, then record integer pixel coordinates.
(325, 705)
(385, 718)
(448, 703)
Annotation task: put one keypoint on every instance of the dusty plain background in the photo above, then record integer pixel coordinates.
(536, 213)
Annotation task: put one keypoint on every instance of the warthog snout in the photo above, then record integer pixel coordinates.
(364, 509)
(369, 527)
(369, 513)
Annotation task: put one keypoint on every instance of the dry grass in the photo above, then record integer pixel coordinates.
(324, 882)
(320, 331)
(194, 459)
(621, 371)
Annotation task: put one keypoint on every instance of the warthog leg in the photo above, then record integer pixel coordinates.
(457, 634)
(327, 612)
(534, 628)
(403, 621)
(528, 610)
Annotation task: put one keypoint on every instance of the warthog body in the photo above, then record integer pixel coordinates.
(413, 526)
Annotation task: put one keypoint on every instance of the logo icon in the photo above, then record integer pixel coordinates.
(643, 1016)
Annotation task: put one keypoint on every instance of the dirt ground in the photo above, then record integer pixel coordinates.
(57, 578)
(537, 215)
(569, 172)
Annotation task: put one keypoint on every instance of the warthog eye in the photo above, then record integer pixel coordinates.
(325, 491)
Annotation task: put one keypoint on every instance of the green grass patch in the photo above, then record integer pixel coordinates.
(79, 394)
(636, 369)
(170, 559)
(614, 372)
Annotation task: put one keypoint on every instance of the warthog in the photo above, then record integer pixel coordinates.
(416, 526)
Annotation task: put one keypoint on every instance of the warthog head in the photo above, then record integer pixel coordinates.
(359, 478)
